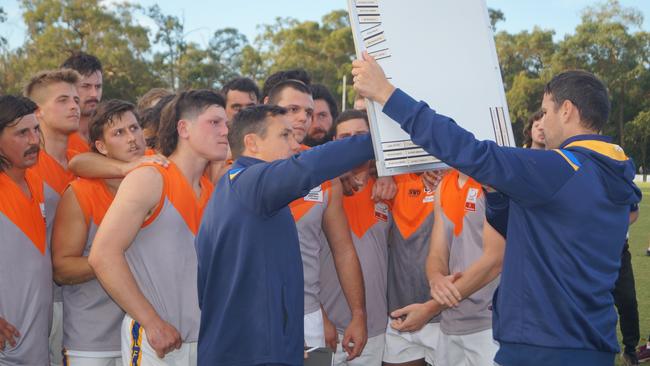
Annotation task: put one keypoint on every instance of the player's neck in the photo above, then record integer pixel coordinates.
(191, 165)
(55, 144)
(18, 176)
(83, 127)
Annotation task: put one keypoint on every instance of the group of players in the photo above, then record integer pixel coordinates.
(101, 202)
(364, 241)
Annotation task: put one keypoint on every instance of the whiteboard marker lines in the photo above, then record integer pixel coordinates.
(496, 127)
(504, 129)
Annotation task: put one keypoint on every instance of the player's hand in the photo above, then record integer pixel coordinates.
(443, 290)
(8, 334)
(355, 337)
(432, 178)
(384, 189)
(163, 337)
(331, 335)
(370, 80)
(350, 186)
(155, 159)
(413, 317)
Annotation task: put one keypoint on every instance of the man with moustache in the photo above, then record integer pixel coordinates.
(25, 265)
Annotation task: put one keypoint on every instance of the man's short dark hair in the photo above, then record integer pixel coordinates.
(186, 105)
(249, 120)
(150, 118)
(103, 117)
(586, 92)
(274, 93)
(348, 115)
(275, 78)
(12, 109)
(527, 132)
(241, 84)
(320, 91)
(83, 63)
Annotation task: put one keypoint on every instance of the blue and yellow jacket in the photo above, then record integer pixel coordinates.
(250, 279)
(569, 212)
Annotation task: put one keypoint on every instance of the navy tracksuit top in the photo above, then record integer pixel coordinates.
(569, 212)
(250, 280)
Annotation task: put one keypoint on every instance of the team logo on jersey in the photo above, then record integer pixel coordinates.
(470, 200)
(429, 195)
(381, 211)
(315, 195)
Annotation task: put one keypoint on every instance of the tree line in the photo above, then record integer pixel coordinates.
(609, 41)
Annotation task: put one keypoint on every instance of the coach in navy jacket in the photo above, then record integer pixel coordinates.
(250, 271)
(569, 212)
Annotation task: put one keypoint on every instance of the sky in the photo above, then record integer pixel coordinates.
(203, 17)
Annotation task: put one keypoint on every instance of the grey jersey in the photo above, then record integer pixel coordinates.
(408, 243)
(308, 213)
(472, 314)
(91, 319)
(162, 257)
(25, 273)
(369, 224)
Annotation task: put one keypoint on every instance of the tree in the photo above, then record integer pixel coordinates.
(170, 35)
(56, 28)
(325, 49)
(605, 45)
(637, 138)
(496, 16)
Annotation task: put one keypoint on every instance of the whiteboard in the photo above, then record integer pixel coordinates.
(439, 51)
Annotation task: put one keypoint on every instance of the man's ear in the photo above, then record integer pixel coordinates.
(183, 128)
(101, 147)
(250, 143)
(568, 110)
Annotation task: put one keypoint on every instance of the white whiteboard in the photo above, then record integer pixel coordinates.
(439, 51)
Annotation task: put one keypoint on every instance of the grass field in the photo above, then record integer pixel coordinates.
(639, 239)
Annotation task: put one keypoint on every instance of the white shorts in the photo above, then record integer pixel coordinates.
(314, 331)
(79, 358)
(370, 356)
(410, 346)
(56, 335)
(136, 350)
(474, 349)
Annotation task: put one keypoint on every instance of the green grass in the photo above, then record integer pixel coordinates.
(639, 241)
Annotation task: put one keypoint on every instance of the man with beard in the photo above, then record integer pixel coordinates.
(25, 265)
(325, 112)
(89, 88)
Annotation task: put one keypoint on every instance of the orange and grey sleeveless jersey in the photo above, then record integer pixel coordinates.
(408, 243)
(369, 223)
(55, 179)
(91, 320)
(25, 271)
(463, 212)
(308, 214)
(162, 256)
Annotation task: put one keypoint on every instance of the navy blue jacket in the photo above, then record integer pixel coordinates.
(569, 212)
(250, 280)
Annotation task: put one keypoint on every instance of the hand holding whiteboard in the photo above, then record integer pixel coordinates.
(441, 52)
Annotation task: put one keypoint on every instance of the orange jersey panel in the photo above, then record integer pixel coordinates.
(27, 213)
(455, 201)
(52, 173)
(180, 193)
(93, 197)
(78, 143)
(412, 203)
(362, 212)
(302, 205)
